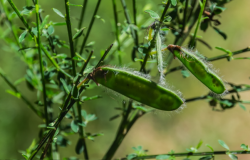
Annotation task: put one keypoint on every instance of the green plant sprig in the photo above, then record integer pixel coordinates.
(69, 102)
(153, 41)
(29, 104)
(210, 59)
(33, 35)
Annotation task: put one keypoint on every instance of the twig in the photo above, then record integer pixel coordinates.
(41, 63)
(117, 31)
(90, 26)
(198, 23)
(81, 20)
(192, 154)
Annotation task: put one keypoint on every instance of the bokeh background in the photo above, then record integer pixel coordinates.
(158, 132)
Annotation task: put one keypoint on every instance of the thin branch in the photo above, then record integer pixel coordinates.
(81, 20)
(191, 154)
(90, 26)
(198, 23)
(41, 64)
(117, 31)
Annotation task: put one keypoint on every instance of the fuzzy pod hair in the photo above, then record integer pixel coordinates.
(137, 88)
(196, 64)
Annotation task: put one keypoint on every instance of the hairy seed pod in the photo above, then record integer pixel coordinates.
(198, 68)
(137, 87)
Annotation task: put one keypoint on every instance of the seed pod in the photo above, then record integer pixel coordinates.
(198, 67)
(137, 87)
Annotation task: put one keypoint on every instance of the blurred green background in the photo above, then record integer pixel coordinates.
(158, 132)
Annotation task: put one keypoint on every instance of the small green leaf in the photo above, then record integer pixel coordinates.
(206, 158)
(232, 156)
(45, 20)
(81, 124)
(25, 156)
(165, 29)
(79, 33)
(185, 73)
(16, 94)
(80, 146)
(161, 157)
(61, 56)
(65, 86)
(84, 98)
(22, 36)
(74, 126)
(167, 19)
(173, 2)
(210, 147)
(51, 30)
(220, 32)
(243, 146)
(19, 81)
(75, 92)
(84, 114)
(131, 156)
(90, 44)
(90, 117)
(59, 23)
(76, 5)
(199, 144)
(58, 12)
(152, 14)
(34, 30)
(242, 106)
(223, 144)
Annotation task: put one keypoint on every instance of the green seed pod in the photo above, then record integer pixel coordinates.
(137, 87)
(199, 68)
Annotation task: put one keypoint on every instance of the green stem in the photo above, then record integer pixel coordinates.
(90, 27)
(135, 22)
(128, 19)
(121, 133)
(153, 41)
(192, 154)
(72, 51)
(212, 59)
(184, 17)
(32, 34)
(117, 31)
(30, 105)
(198, 23)
(81, 19)
(41, 64)
(206, 96)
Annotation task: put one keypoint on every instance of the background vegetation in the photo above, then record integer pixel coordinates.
(158, 132)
